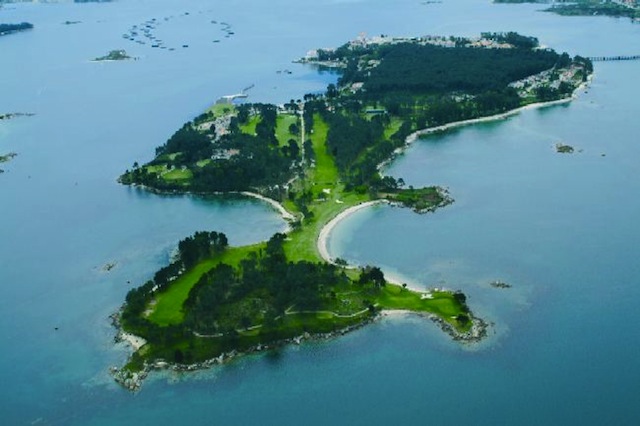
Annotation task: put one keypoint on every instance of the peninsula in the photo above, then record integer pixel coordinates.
(318, 159)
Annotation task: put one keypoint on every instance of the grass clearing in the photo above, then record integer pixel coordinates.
(393, 127)
(325, 172)
(178, 175)
(324, 176)
(221, 109)
(250, 126)
(156, 168)
(168, 305)
(442, 304)
(282, 128)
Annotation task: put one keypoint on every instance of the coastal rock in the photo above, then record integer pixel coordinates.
(477, 332)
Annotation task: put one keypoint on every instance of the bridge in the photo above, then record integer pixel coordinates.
(614, 58)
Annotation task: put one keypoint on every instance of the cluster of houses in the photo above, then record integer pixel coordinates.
(550, 78)
(364, 41)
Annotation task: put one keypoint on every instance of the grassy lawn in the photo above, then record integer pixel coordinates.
(178, 175)
(168, 307)
(325, 172)
(250, 126)
(442, 304)
(282, 128)
(393, 127)
(302, 242)
(324, 176)
(221, 109)
(158, 168)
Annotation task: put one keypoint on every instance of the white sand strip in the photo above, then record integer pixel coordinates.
(284, 212)
(326, 230)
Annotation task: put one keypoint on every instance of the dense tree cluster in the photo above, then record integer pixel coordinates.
(202, 245)
(372, 275)
(233, 162)
(261, 289)
(190, 145)
(429, 69)
(514, 39)
(257, 163)
(349, 135)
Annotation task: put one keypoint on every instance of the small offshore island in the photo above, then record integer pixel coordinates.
(114, 55)
(6, 158)
(317, 160)
(6, 29)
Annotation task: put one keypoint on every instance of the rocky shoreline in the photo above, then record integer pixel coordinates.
(479, 329)
(133, 381)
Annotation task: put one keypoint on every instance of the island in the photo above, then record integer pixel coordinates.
(614, 8)
(114, 55)
(317, 160)
(6, 158)
(6, 29)
(563, 148)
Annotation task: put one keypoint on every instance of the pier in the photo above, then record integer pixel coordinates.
(614, 58)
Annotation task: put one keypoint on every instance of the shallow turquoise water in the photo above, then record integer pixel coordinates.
(560, 228)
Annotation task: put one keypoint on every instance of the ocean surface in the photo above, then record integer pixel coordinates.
(561, 229)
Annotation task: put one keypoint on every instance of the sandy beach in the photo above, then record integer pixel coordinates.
(411, 138)
(416, 135)
(326, 230)
(283, 212)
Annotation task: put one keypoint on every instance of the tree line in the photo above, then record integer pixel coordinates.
(11, 28)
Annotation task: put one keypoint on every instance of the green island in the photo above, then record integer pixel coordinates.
(563, 148)
(614, 8)
(7, 157)
(114, 55)
(318, 159)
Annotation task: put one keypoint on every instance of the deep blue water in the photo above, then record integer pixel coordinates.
(560, 228)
